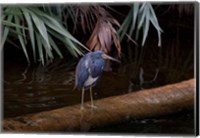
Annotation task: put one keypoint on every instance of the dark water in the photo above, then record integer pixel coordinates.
(176, 124)
(30, 89)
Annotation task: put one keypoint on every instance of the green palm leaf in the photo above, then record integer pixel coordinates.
(21, 39)
(6, 30)
(140, 16)
(40, 29)
(31, 31)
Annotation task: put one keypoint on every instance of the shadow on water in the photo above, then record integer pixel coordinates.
(30, 89)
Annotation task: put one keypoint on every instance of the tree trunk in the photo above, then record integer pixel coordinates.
(142, 104)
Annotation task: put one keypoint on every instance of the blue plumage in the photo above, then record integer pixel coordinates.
(90, 66)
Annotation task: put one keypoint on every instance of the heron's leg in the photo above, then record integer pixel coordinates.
(91, 97)
(82, 98)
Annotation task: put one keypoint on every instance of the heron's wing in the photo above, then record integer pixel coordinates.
(96, 68)
(81, 74)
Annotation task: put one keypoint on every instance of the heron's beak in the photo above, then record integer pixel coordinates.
(110, 58)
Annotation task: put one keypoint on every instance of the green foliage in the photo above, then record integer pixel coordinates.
(45, 26)
(41, 28)
(140, 16)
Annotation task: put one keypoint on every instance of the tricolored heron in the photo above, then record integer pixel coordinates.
(88, 71)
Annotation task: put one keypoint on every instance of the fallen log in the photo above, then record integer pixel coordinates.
(142, 104)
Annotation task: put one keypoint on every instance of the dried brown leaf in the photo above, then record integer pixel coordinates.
(104, 34)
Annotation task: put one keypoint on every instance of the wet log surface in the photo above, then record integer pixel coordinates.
(141, 104)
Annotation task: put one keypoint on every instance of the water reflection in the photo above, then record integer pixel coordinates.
(142, 81)
(38, 88)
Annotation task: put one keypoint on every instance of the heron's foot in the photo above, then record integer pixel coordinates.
(92, 106)
(82, 108)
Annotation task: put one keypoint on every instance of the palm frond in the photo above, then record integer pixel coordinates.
(97, 21)
(37, 26)
(140, 16)
(84, 16)
(104, 35)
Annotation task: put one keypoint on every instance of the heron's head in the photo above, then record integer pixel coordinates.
(101, 54)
